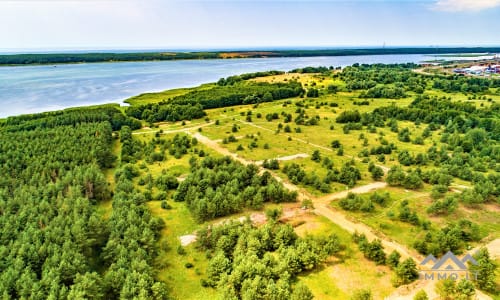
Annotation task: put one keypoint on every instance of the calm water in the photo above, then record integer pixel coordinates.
(29, 89)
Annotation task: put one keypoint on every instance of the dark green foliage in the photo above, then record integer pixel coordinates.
(407, 215)
(218, 187)
(349, 116)
(443, 207)
(355, 202)
(406, 272)
(404, 135)
(53, 58)
(349, 174)
(485, 270)
(316, 156)
(336, 144)
(373, 251)
(397, 177)
(132, 246)
(384, 92)
(312, 93)
(393, 259)
(71, 117)
(376, 171)
(380, 199)
(453, 237)
(310, 70)
(166, 182)
(54, 243)
(238, 78)
(131, 149)
(272, 164)
(191, 105)
(459, 115)
(248, 261)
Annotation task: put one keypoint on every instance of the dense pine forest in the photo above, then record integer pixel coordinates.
(55, 244)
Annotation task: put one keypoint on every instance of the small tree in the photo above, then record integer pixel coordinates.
(377, 172)
(393, 259)
(421, 295)
(316, 156)
(486, 270)
(362, 294)
(406, 272)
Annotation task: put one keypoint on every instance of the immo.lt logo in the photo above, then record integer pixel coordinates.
(447, 267)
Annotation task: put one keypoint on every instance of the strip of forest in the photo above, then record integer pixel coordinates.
(65, 58)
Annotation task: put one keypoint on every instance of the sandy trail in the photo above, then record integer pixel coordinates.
(386, 169)
(285, 158)
(323, 208)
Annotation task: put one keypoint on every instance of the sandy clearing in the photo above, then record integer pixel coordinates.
(187, 239)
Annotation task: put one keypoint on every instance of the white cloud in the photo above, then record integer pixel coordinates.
(465, 5)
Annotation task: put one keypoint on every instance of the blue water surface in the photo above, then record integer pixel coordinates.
(29, 89)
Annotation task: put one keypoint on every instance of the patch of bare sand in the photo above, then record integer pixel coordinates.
(187, 239)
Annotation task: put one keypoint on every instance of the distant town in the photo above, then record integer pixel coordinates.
(483, 68)
(479, 70)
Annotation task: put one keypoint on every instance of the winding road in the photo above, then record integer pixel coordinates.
(323, 208)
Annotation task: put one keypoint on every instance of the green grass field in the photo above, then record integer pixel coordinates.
(262, 139)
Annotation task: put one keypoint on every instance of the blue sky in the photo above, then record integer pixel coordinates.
(156, 24)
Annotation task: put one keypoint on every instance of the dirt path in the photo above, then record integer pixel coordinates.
(215, 146)
(322, 203)
(357, 190)
(323, 208)
(385, 168)
(285, 158)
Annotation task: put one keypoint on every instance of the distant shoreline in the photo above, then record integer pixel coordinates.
(101, 57)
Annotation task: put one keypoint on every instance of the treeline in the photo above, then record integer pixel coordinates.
(464, 84)
(248, 262)
(394, 80)
(55, 58)
(63, 58)
(191, 105)
(246, 76)
(219, 187)
(461, 116)
(71, 116)
(312, 70)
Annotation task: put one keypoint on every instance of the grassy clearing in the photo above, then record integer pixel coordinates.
(486, 217)
(160, 96)
(184, 282)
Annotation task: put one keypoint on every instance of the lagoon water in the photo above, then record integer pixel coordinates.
(29, 89)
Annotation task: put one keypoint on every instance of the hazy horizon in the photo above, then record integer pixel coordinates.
(243, 24)
(249, 48)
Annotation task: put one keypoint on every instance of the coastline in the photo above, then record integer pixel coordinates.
(34, 59)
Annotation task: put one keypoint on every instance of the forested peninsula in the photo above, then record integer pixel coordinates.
(94, 57)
